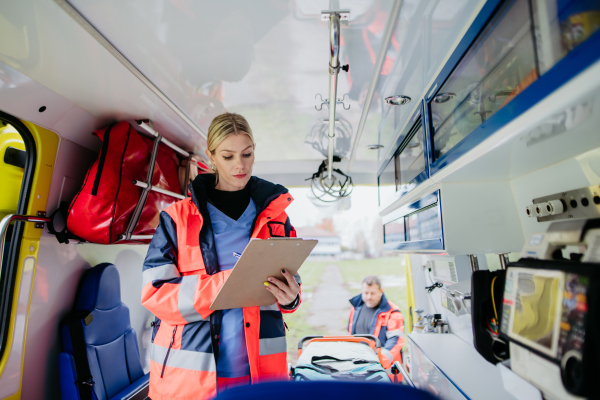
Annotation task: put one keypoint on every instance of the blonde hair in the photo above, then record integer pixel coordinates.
(222, 126)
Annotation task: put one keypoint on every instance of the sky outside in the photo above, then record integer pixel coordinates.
(360, 220)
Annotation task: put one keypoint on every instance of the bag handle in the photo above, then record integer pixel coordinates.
(64, 235)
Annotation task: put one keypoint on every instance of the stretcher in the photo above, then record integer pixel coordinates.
(343, 358)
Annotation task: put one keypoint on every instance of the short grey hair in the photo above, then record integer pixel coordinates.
(372, 280)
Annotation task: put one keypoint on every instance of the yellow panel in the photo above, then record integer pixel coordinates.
(410, 292)
(46, 143)
(12, 176)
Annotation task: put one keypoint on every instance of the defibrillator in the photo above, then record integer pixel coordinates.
(550, 316)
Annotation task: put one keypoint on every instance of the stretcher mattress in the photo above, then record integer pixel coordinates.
(339, 361)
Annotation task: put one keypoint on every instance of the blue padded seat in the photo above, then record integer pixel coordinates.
(316, 390)
(111, 344)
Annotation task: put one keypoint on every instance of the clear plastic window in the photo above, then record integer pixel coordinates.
(522, 41)
(424, 224)
(410, 162)
(393, 232)
(499, 65)
(387, 182)
(561, 26)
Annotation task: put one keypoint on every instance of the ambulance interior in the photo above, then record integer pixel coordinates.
(477, 122)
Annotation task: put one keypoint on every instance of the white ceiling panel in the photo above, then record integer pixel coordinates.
(264, 59)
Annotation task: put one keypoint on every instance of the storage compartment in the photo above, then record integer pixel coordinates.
(407, 168)
(457, 219)
(417, 226)
(498, 66)
(410, 160)
(521, 42)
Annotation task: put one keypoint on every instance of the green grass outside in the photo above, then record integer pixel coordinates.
(297, 328)
(353, 273)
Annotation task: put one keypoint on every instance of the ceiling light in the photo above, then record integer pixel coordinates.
(444, 97)
(374, 146)
(397, 100)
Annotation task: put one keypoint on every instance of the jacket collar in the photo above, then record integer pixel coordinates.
(262, 193)
(383, 306)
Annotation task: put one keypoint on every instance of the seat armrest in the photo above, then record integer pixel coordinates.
(138, 390)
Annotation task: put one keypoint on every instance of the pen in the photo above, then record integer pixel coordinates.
(236, 254)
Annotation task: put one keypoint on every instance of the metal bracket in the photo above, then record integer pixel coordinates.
(344, 14)
(326, 101)
(40, 225)
(474, 262)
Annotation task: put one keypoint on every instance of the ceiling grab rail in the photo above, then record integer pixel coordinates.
(334, 69)
(385, 44)
(5, 223)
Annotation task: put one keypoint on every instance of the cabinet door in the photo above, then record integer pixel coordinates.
(499, 65)
(410, 161)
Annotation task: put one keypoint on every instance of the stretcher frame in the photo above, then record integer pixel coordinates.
(372, 341)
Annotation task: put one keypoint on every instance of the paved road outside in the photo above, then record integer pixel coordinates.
(329, 307)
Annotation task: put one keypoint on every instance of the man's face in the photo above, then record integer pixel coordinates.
(371, 295)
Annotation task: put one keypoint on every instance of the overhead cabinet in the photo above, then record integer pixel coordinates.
(515, 53)
(524, 51)
(499, 65)
(408, 166)
(457, 218)
(417, 226)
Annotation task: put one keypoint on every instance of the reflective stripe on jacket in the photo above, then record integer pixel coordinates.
(181, 278)
(387, 325)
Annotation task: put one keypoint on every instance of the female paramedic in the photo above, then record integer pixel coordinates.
(195, 351)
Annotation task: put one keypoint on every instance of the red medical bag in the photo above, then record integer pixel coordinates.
(103, 210)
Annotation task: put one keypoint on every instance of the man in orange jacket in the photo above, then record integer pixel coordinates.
(373, 314)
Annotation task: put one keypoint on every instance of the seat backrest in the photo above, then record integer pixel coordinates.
(110, 342)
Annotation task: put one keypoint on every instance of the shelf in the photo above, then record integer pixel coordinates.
(463, 367)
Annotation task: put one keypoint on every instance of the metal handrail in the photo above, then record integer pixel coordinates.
(334, 68)
(6, 221)
(390, 27)
(400, 368)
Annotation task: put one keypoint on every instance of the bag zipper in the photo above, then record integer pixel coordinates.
(168, 351)
(101, 160)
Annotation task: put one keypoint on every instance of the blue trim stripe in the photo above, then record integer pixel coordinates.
(163, 247)
(196, 337)
(271, 324)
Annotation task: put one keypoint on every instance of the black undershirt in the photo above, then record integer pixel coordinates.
(232, 204)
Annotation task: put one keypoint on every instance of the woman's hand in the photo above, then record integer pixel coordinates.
(284, 293)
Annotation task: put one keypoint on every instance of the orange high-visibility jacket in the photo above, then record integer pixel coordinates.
(387, 325)
(181, 279)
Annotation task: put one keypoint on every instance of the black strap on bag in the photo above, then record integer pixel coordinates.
(187, 175)
(64, 235)
(316, 361)
(85, 382)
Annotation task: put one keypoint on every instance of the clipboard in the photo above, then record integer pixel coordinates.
(261, 259)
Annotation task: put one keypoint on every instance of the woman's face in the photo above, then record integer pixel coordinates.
(233, 158)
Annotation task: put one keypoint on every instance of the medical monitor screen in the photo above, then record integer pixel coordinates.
(534, 298)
